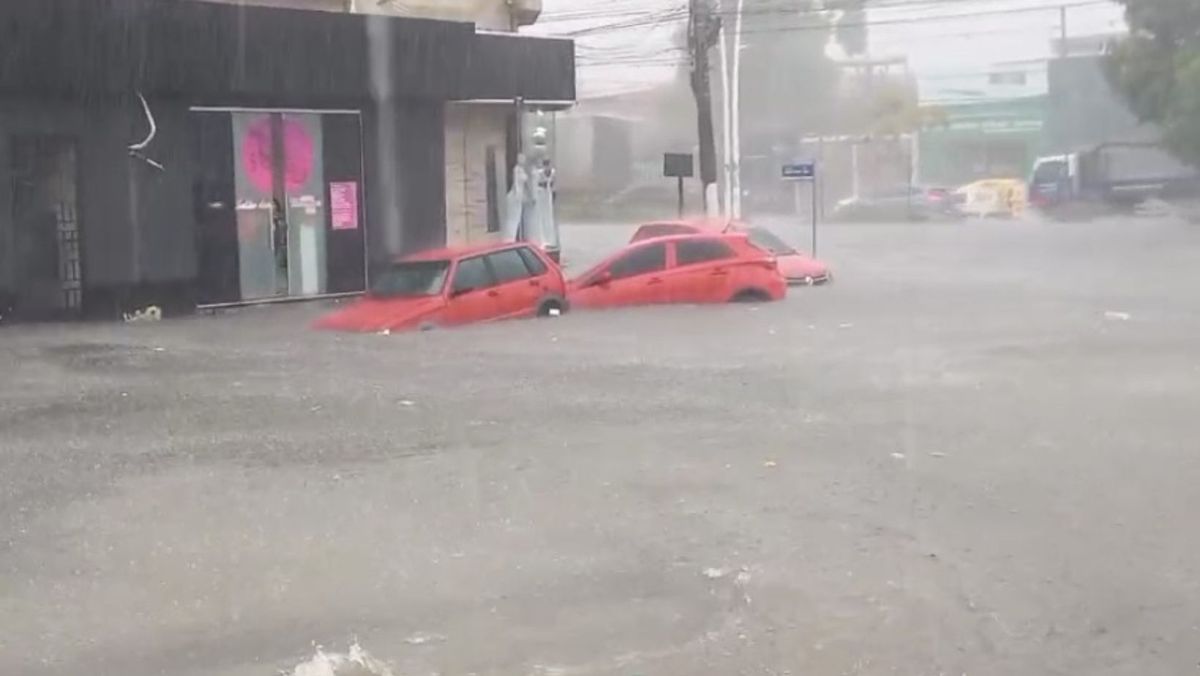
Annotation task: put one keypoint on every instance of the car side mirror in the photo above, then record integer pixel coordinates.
(602, 279)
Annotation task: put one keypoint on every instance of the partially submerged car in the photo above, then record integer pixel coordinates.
(692, 268)
(797, 267)
(899, 204)
(448, 287)
(994, 198)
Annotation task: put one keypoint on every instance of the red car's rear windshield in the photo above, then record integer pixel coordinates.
(417, 278)
(769, 242)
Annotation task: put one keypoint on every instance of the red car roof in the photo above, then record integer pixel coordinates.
(702, 224)
(658, 240)
(455, 252)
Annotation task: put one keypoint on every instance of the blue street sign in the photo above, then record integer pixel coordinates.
(800, 171)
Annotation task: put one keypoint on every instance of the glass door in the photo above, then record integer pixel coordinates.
(280, 204)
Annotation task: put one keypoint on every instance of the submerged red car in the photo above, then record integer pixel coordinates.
(797, 267)
(447, 287)
(707, 268)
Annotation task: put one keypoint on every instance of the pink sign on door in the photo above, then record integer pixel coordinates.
(343, 205)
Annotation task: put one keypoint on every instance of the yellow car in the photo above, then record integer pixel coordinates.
(993, 197)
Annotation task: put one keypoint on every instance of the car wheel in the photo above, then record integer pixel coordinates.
(551, 308)
(751, 296)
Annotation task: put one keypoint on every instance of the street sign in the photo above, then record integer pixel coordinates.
(804, 172)
(677, 165)
(800, 171)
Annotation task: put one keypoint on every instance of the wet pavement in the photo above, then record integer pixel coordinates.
(974, 453)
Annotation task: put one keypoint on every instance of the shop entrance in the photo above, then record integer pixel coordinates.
(278, 204)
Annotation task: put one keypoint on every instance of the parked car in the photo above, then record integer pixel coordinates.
(448, 287)
(704, 268)
(797, 267)
(902, 203)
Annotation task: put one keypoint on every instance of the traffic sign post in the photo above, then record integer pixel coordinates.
(804, 172)
(678, 166)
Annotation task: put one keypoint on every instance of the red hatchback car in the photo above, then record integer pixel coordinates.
(797, 267)
(710, 268)
(448, 287)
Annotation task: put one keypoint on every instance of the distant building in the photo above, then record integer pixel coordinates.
(1084, 109)
(982, 125)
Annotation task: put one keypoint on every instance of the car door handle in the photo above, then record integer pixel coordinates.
(493, 293)
(720, 272)
(535, 282)
(653, 281)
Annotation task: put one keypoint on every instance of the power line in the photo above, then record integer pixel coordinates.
(885, 22)
(666, 16)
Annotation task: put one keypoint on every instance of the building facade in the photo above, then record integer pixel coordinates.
(989, 124)
(188, 153)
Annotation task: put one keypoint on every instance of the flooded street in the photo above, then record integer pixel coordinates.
(974, 453)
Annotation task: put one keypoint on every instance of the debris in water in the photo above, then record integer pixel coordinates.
(422, 638)
(356, 662)
(898, 456)
(846, 326)
(770, 463)
(384, 332)
(937, 454)
(152, 313)
(407, 402)
(1114, 316)
(743, 576)
(715, 573)
(555, 312)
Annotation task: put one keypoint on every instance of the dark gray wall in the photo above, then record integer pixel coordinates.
(406, 187)
(102, 188)
(163, 222)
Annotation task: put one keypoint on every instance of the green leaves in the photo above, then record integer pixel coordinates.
(1181, 123)
(1157, 68)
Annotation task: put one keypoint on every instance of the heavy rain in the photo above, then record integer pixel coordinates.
(562, 338)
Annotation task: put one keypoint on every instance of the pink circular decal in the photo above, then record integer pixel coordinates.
(297, 153)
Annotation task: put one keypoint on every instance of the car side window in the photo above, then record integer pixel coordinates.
(471, 274)
(692, 251)
(640, 261)
(508, 266)
(535, 264)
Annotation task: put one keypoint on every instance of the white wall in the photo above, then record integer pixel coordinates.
(487, 14)
(470, 130)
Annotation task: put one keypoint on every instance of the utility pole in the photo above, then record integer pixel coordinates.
(704, 29)
(735, 110)
(1062, 28)
(726, 129)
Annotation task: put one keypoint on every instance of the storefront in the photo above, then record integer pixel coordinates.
(279, 204)
(984, 139)
(182, 153)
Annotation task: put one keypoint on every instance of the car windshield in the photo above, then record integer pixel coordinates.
(769, 241)
(415, 278)
(1048, 172)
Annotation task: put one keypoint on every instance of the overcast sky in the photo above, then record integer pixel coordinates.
(964, 39)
